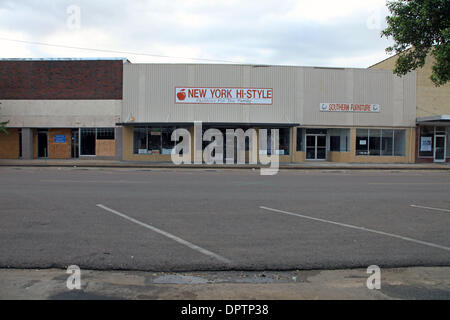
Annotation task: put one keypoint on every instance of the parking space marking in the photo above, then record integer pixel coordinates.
(429, 244)
(407, 183)
(430, 208)
(168, 235)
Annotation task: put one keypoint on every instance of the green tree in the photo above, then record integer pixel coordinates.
(3, 125)
(419, 28)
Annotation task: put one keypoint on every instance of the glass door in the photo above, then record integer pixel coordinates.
(310, 147)
(321, 147)
(316, 147)
(439, 148)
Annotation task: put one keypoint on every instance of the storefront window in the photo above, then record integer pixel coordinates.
(399, 142)
(87, 140)
(283, 138)
(139, 140)
(387, 140)
(300, 138)
(88, 137)
(166, 140)
(448, 143)
(105, 133)
(339, 140)
(284, 141)
(426, 142)
(362, 142)
(153, 140)
(376, 142)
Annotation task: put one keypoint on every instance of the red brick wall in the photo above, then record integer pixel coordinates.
(69, 79)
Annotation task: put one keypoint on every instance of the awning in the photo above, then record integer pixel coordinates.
(211, 124)
(443, 119)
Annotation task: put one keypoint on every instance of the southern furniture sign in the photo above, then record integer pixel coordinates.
(223, 95)
(349, 107)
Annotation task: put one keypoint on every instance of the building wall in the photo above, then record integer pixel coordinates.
(60, 113)
(58, 94)
(431, 100)
(60, 79)
(149, 94)
(9, 144)
(395, 95)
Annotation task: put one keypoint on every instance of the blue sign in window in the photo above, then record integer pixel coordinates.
(60, 138)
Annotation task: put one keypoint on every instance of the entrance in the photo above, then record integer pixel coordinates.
(316, 144)
(74, 143)
(439, 148)
(42, 144)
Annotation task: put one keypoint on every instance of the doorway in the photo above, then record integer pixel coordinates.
(74, 143)
(42, 143)
(316, 147)
(439, 148)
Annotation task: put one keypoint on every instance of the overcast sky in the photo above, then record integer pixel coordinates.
(330, 33)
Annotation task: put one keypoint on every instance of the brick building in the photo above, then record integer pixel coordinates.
(60, 108)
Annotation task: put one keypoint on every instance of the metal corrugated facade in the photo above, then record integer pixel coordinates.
(149, 94)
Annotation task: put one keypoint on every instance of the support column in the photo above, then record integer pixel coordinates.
(27, 143)
(118, 143)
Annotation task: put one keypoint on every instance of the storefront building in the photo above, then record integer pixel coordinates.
(113, 109)
(432, 140)
(61, 108)
(323, 114)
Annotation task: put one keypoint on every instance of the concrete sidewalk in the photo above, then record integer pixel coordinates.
(400, 283)
(299, 166)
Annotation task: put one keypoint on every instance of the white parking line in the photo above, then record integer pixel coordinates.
(360, 228)
(168, 235)
(430, 208)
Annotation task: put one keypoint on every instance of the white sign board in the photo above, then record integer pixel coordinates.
(349, 107)
(425, 143)
(223, 95)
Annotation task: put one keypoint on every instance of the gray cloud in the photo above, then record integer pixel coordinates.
(256, 32)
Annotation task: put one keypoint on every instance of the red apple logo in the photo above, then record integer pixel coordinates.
(181, 95)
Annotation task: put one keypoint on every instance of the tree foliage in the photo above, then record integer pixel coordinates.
(419, 28)
(3, 125)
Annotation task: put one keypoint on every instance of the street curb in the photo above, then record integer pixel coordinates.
(161, 166)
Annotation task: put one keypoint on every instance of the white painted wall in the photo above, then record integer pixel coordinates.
(60, 113)
(149, 94)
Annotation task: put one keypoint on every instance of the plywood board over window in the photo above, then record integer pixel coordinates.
(9, 144)
(105, 148)
(59, 143)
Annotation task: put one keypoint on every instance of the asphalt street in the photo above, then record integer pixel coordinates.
(200, 219)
